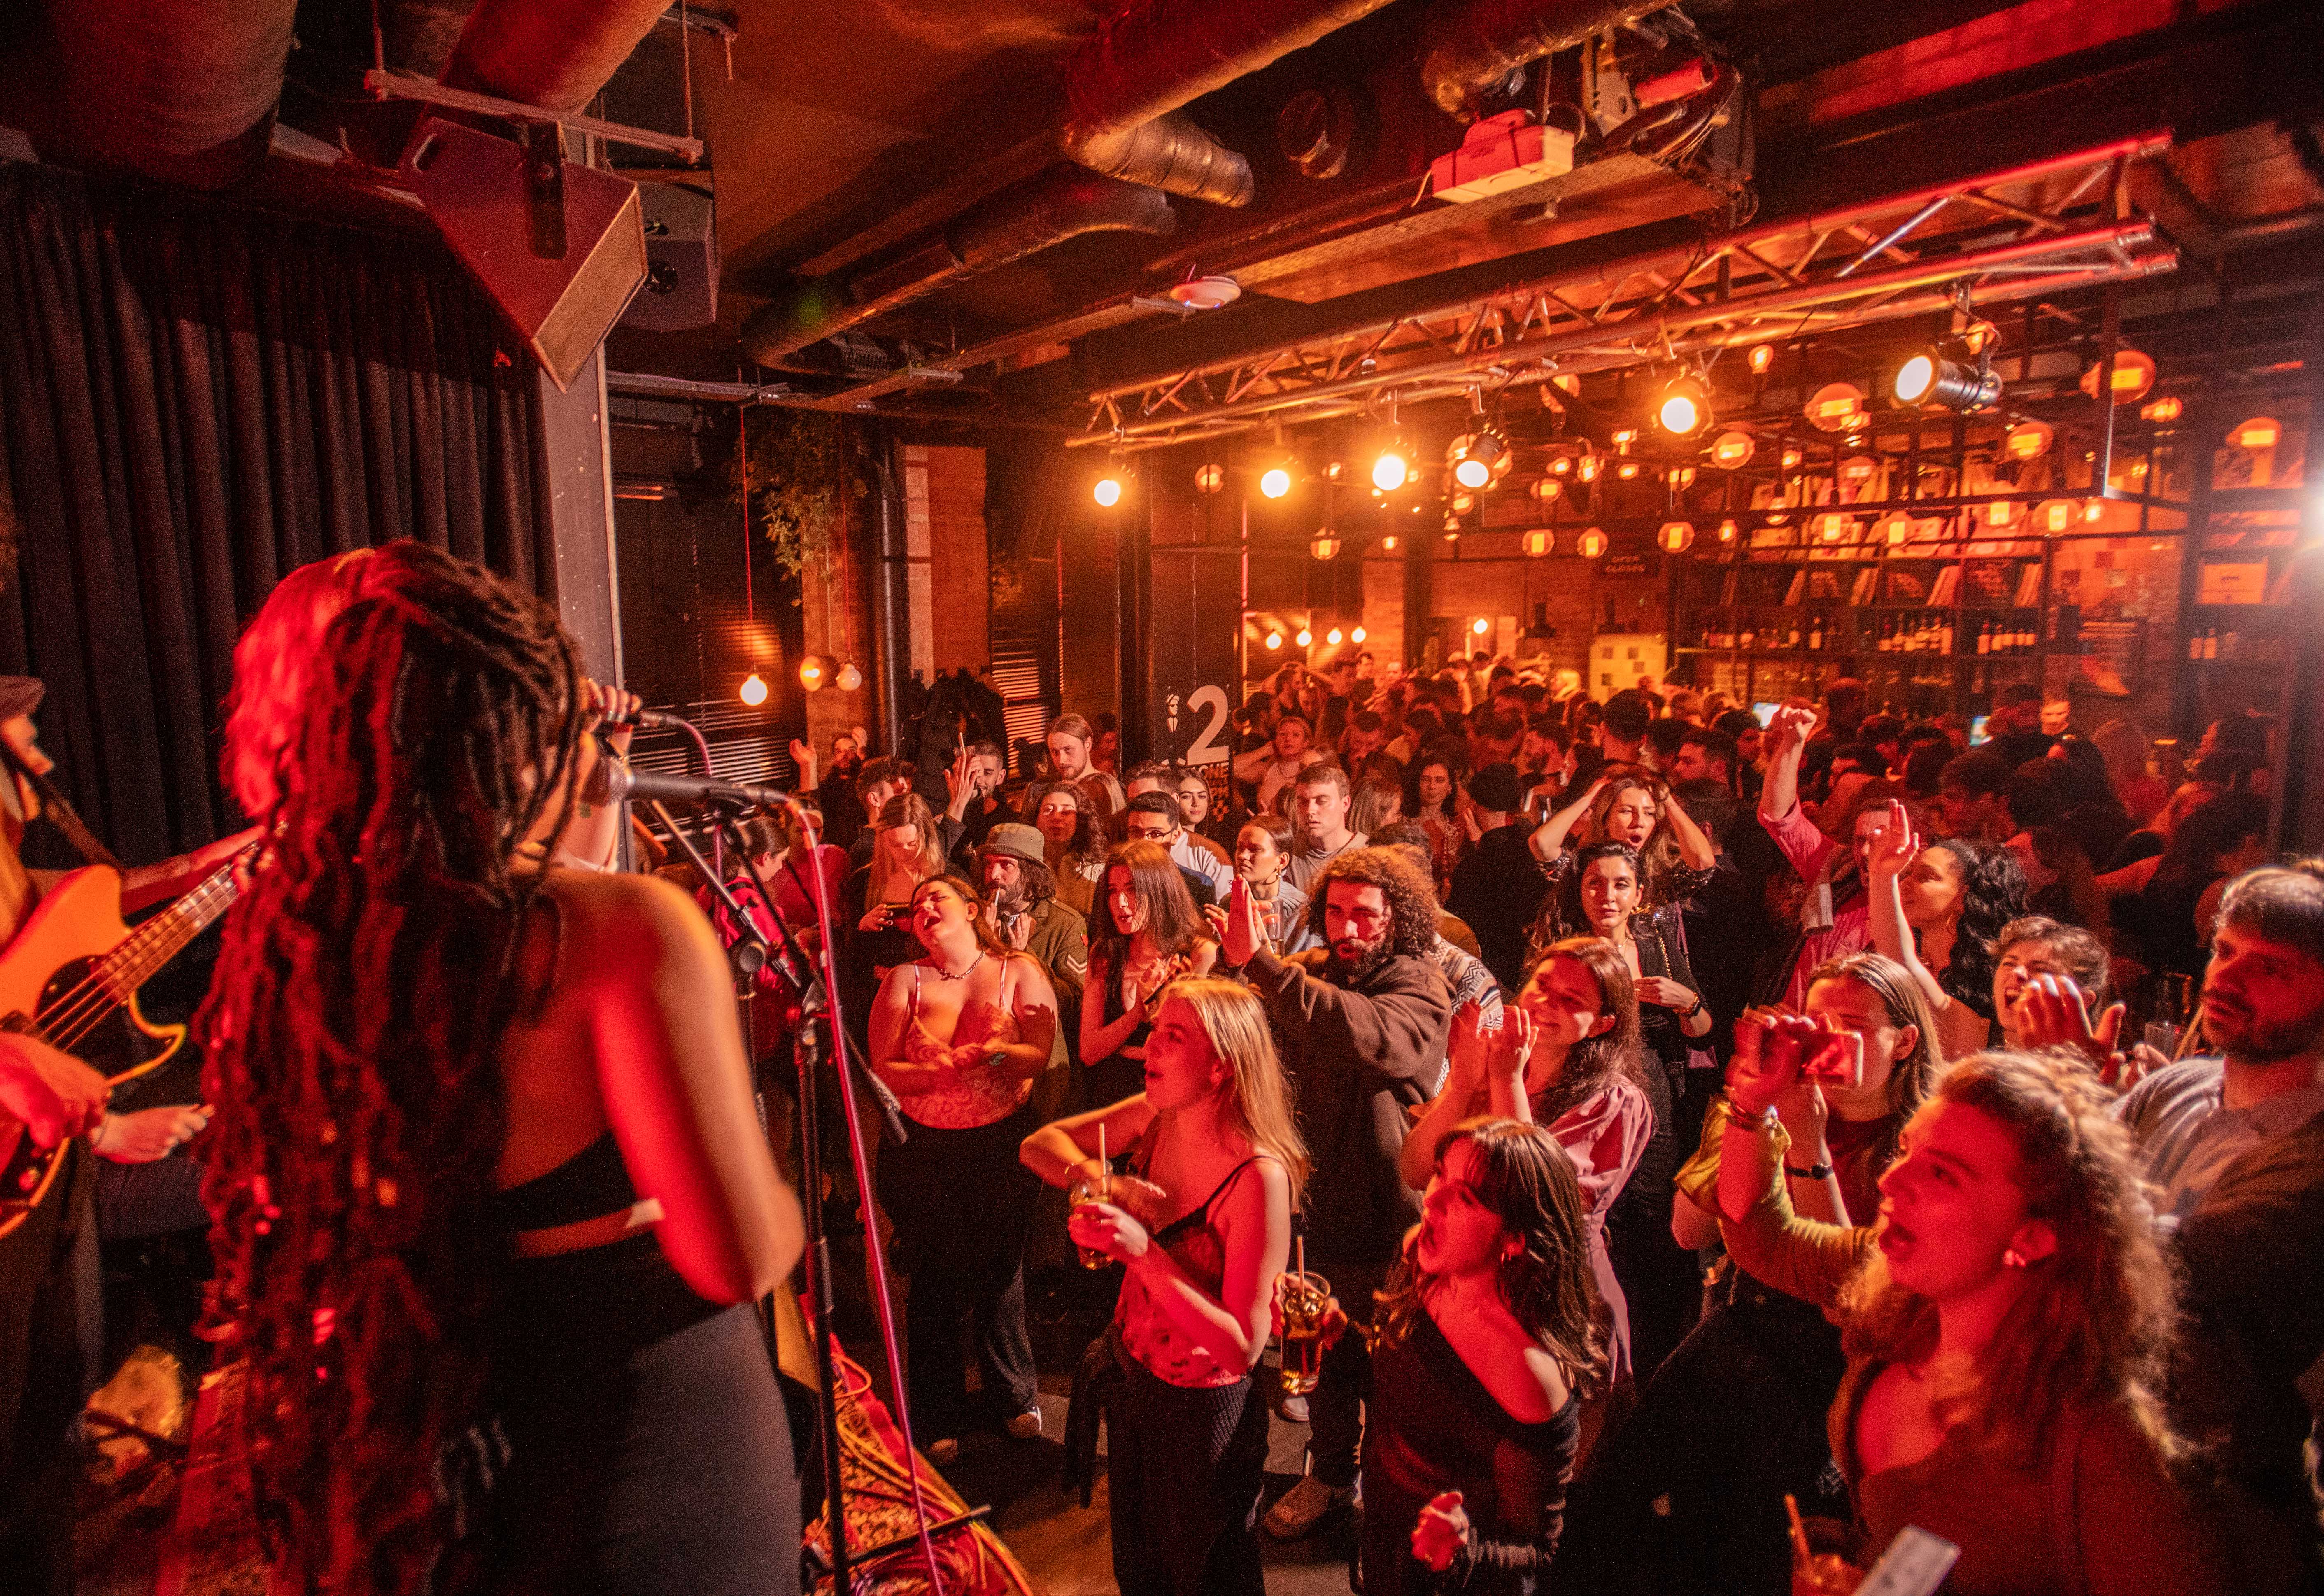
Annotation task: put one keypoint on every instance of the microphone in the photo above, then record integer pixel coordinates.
(651, 720)
(612, 781)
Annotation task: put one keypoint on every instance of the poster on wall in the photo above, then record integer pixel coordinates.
(1193, 665)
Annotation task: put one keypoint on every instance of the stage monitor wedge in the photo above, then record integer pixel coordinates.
(559, 247)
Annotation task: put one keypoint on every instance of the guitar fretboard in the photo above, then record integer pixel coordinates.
(159, 940)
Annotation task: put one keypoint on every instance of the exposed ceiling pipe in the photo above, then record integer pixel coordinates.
(181, 91)
(1469, 48)
(1169, 152)
(1152, 57)
(1041, 211)
(556, 54)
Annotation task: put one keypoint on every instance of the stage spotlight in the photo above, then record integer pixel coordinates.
(1561, 465)
(1727, 530)
(2167, 408)
(1537, 541)
(1733, 449)
(1547, 489)
(1927, 377)
(1675, 536)
(1590, 544)
(1682, 407)
(1210, 476)
(813, 674)
(1107, 492)
(1274, 481)
(1325, 545)
(1761, 357)
(1392, 470)
(1586, 468)
(1475, 468)
(1627, 470)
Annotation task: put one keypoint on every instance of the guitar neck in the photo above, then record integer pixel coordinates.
(163, 938)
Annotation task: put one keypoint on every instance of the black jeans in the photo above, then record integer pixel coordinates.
(1184, 1471)
(1344, 1380)
(50, 1307)
(960, 1202)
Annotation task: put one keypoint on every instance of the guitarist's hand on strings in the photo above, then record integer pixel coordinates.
(51, 1093)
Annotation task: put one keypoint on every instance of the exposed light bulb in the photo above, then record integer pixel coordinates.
(754, 690)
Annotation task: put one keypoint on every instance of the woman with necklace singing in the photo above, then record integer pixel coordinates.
(1145, 934)
(958, 1035)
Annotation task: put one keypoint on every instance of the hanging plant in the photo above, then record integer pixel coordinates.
(798, 470)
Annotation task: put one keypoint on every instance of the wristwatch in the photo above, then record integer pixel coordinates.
(1812, 1172)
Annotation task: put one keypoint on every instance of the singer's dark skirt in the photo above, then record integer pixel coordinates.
(648, 1450)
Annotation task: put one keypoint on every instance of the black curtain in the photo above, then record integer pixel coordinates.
(196, 398)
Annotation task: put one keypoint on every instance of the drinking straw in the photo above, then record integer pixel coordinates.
(1799, 1530)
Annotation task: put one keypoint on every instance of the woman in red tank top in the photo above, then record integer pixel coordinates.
(1202, 1227)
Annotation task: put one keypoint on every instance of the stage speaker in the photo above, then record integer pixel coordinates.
(559, 247)
(681, 287)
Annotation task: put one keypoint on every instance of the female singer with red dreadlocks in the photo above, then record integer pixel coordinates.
(487, 1188)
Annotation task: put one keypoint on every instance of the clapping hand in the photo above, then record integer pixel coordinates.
(1442, 1532)
(1242, 933)
(2054, 1012)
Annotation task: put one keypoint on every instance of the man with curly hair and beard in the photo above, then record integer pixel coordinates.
(1360, 1024)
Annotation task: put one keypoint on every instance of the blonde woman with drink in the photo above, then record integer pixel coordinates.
(1202, 1225)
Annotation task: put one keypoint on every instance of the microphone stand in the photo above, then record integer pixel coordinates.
(816, 1015)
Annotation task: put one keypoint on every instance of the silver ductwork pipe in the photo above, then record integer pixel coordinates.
(1470, 47)
(1032, 215)
(1152, 57)
(1170, 153)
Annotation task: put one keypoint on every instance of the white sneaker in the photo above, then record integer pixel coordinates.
(1025, 1426)
(1303, 1506)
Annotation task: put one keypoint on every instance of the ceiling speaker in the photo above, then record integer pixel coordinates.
(558, 246)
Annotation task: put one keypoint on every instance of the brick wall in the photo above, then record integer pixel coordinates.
(943, 505)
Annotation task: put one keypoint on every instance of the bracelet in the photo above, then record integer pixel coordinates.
(1812, 1172)
(1691, 1013)
(1739, 1118)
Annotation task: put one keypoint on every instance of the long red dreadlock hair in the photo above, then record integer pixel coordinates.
(352, 1032)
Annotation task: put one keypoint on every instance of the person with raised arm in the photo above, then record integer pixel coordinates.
(1202, 1226)
(1566, 1057)
(1935, 907)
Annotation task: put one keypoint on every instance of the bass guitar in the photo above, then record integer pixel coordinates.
(71, 979)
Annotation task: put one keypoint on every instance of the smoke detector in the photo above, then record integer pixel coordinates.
(1207, 293)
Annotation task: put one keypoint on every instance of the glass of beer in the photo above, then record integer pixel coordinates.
(1304, 1299)
(1099, 1189)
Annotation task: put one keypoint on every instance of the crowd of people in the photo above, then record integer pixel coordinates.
(1682, 1114)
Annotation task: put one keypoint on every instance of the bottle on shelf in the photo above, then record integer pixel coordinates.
(1945, 636)
(1984, 638)
(1815, 633)
(2211, 642)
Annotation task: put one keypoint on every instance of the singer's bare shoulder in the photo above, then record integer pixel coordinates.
(619, 925)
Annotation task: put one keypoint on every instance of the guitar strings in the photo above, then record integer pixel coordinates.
(78, 1010)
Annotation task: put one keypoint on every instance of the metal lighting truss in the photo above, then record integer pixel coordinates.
(2030, 231)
